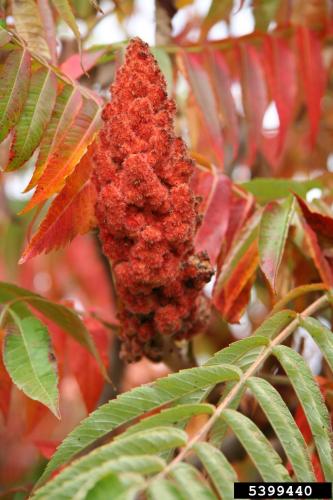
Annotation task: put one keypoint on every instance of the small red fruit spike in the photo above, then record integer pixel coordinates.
(146, 211)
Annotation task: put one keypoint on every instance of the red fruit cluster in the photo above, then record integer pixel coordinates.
(146, 211)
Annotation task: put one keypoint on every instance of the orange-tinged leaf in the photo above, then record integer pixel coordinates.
(69, 152)
(237, 271)
(14, 85)
(34, 118)
(234, 310)
(71, 213)
(211, 233)
(29, 26)
(313, 75)
(235, 295)
(273, 232)
(65, 110)
(205, 99)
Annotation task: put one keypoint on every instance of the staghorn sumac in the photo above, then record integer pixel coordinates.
(146, 211)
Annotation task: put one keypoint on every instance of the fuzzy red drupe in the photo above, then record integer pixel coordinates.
(146, 211)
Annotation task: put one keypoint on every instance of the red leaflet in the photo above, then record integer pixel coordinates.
(75, 361)
(75, 64)
(316, 227)
(221, 80)
(205, 99)
(321, 224)
(85, 368)
(46, 448)
(313, 75)
(71, 213)
(211, 233)
(241, 208)
(321, 263)
(93, 283)
(5, 383)
(280, 66)
(255, 100)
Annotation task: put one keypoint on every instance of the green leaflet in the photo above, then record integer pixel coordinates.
(242, 353)
(312, 402)
(284, 426)
(272, 326)
(14, 85)
(191, 482)
(135, 403)
(322, 336)
(122, 487)
(27, 359)
(161, 488)
(28, 24)
(34, 118)
(235, 352)
(126, 455)
(65, 11)
(87, 479)
(257, 446)
(266, 190)
(170, 416)
(273, 232)
(142, 399)
(220, 427)
(218, 468)
(63, 316)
